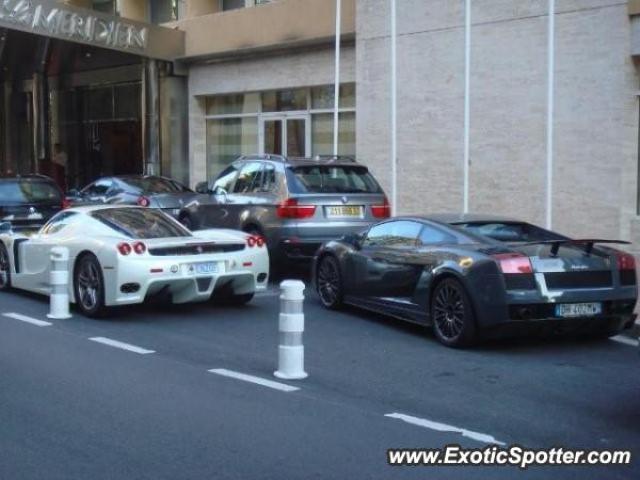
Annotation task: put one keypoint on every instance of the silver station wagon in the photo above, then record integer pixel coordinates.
(296, 204)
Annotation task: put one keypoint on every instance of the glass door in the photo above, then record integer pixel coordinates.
(286, 135)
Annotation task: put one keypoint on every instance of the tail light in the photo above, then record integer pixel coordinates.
(381, 211)
(251, 241)
(260, 242)
(626, 261)
(139, 248)
(144, 201)
(124, 248)
(511, 263)
(290, 208)
(66, 203)
(255, 241)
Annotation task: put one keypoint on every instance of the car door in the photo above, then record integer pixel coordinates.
(213, 212)
(383, 267)
(34, 254)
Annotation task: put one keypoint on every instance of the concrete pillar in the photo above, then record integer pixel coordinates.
(151, 117)
(134, 10)
(174, 128)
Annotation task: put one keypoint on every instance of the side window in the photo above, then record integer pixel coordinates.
(398, 234)
(225, 179)
(430, 235)
(268, 178)
(99, 187)
(57, 223)
(249, 178)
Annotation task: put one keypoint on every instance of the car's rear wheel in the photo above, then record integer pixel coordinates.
(89, 286)
(452, 314)
(5, 268)
(329, 282)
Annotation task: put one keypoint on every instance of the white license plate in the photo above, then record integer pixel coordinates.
(204, 268)
(344, 211)
(578, 309)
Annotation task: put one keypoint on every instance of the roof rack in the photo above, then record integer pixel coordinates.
(264, 156)
(334, 158)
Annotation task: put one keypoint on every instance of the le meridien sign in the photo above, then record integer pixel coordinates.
(52, 19)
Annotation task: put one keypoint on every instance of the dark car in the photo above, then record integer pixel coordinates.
(144, 190)
(472, 276)
(295, 203)
(27, 202)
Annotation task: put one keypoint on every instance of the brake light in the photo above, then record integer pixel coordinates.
(626, 261)
(255, 241)
(144, 201)
(291, 209)
(139, 248)
(381, 211)
(513, 263)
(124, 248)
(251, 241)
(66, 203)
(260, 242)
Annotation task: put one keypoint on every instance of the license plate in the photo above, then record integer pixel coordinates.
(204, 268)
(344, 211)
(578, 309)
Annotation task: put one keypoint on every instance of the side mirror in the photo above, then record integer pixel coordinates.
(354, 239)
(202, 187)
(220, 192)
(5, 227)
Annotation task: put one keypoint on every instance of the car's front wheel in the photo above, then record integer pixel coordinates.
(88, 285)
(5, 268)
(452, 314)
(329, 282)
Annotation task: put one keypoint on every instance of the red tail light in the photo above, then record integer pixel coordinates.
(626, 261)
(513, 263)
(66, 204)
(144, 201)
(139, 248)
(291, 209)
(260, 241)
(381, 211)
(124, 248)
(251, 241)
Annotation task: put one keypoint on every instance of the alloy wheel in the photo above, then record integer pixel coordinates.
(329, 282)
(449, 311)
(88, 285)
(4, 268)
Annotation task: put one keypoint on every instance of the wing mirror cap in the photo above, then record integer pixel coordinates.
(354, 239)
(203, 187)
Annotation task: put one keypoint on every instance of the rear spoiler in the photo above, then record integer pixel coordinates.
(588, 243)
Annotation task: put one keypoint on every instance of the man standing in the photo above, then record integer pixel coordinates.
(59, 164)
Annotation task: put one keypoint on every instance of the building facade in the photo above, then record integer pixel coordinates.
(258, 76)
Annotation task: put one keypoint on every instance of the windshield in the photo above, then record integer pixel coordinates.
(155, 185)
(140, 223)
(27, 191)
(332, 179)
(510, 231)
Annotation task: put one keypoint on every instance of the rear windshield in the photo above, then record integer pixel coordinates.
(510, 231)
(142, 223)
(155, 185)
(16, 192)
(332, 179)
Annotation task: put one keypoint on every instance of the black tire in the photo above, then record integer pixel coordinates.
(452, 314)
(5, 269)
(88, 286)
(329, 282)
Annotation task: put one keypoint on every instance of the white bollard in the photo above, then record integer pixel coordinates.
(59, 283)
(291, 325)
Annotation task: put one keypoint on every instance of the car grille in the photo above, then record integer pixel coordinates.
(568, 280)
(196, 249)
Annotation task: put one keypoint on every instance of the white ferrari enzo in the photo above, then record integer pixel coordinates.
(121, 255)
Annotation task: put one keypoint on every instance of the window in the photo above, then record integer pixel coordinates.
(155, 184)
(105, 6)
(284, 100)
(142, 223)
(98, 188)
(232, 4)
(162, 11)
(510, 231)
(323, 97)
(322, 134)
(250, 178)
(396, 234)
(269, 178)
(26, 191)
(57, 223)
(230, 104)
(226, 179)
(332, 179)
(430, 235)
(229, 138)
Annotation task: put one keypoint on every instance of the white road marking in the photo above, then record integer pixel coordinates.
(625, 340)
(283, 387)
(443, 427)
(121, 345)
(24, 318)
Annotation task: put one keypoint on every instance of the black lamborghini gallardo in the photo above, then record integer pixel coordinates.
(471, 276)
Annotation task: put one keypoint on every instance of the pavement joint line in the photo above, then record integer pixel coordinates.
(27, 319)
(124, 346)
(625, 340)
(443, 427)
(283, 387)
